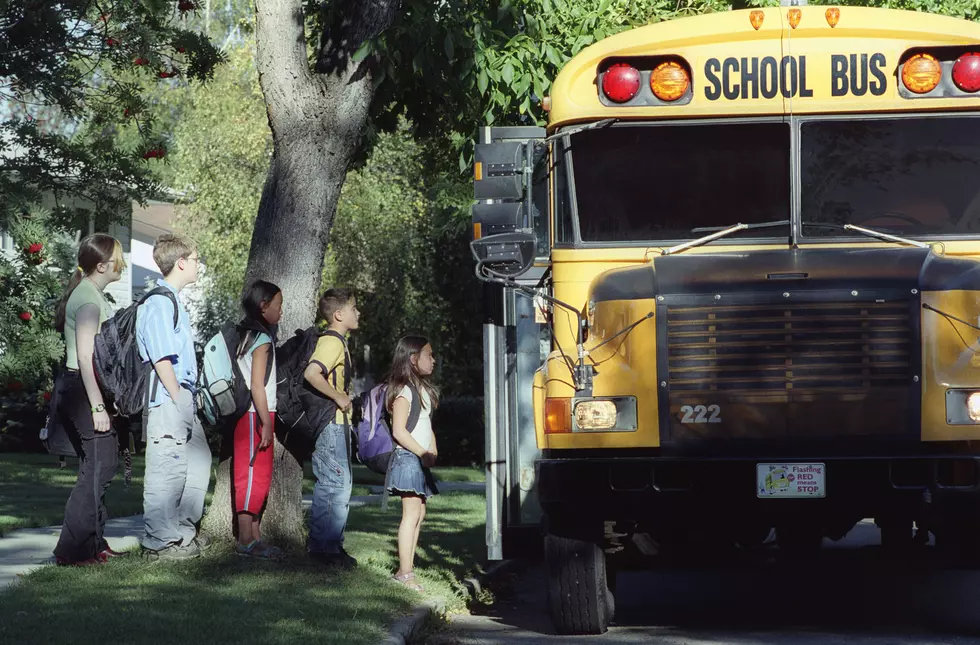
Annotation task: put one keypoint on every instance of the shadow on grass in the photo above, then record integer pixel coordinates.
(219, 599)
(223, 599)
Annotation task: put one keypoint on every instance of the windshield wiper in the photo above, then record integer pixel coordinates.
(718, 233)
(583, 128)
(870, 232)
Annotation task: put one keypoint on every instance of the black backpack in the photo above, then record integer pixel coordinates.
(299, 407)
(122, 374)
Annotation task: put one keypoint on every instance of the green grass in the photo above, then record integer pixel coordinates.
(33, 490)
(221, 599)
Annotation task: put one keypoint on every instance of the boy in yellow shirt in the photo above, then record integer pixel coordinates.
(328, 375)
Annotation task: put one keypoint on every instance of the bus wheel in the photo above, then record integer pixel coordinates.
(579, 598)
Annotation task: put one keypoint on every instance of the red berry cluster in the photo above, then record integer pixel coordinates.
(139, 62)
(111, 42)
(34, 254)
(26, 316)
(170, 74)
(155, 153)
(186, 5)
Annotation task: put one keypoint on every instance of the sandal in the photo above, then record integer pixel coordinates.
(408, 580)
(260, 550)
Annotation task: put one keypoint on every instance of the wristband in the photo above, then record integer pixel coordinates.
(99, 408)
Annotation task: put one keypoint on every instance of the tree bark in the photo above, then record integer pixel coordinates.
(317, 120)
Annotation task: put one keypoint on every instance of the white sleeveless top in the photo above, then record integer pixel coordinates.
(423, 429)
(245, 364)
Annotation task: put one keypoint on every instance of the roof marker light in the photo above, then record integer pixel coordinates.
(794, 16)
(755, 19)
(833, 16)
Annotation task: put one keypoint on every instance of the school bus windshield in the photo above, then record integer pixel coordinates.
(912, 176)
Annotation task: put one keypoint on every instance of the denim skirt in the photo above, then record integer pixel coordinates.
(407, 475)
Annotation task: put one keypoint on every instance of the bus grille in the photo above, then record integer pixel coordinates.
(789, 349)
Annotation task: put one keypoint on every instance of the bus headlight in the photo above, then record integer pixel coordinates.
(604, 414)
(973, 406)
(963, 407)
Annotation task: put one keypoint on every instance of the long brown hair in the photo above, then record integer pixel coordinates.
(403, 371)
(92, 251)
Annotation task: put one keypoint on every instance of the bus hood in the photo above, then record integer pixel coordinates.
(789, 270)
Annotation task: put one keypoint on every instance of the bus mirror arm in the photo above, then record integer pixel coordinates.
(583, 373)
(624, 330)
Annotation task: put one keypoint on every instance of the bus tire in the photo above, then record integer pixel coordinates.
(578, 591)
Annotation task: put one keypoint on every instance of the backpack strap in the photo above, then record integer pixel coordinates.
(162, 291)
(416, 410)
(347, 360)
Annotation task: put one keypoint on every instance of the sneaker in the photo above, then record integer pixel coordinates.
(63, 562)
(341, 560)
(108, 553)
(173, 552)
(203, 541)
(347, 560)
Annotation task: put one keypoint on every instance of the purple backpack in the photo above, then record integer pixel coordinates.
(375, 444)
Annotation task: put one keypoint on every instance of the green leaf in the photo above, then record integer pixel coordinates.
(449, 47)
(507, 73)
(482, 81)
(363, 51)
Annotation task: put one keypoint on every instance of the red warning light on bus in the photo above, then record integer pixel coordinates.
(621, 82)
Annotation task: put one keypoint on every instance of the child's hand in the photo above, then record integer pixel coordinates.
(344, 403)
(267, 434)
(428, 459)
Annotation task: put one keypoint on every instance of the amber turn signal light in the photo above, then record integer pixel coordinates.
(921, 73)
(557, 416)
(669, 81)
(755, 19)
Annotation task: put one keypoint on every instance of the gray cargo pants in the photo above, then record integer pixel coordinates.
(178, 470)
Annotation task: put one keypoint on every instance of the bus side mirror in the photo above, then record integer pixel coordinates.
(506, 255)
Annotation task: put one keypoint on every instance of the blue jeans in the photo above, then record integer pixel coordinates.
(331, 495)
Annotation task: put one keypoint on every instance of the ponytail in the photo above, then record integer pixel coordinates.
(59, 316)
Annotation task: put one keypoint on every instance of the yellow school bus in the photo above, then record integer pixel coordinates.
(732, 293)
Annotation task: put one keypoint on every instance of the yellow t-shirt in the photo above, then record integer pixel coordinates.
(329, 354)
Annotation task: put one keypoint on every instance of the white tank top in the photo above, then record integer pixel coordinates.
(423, 429)
(245, 364)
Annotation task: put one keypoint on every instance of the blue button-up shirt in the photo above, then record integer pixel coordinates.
(157, 340)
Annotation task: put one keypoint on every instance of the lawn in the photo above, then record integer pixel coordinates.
(222, 599)
(33, 490)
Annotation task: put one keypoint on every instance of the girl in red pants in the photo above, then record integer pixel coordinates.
(253, 438)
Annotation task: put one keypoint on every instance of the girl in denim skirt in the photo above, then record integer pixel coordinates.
(409, 387)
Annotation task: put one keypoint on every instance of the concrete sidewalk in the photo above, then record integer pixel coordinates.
(25, 550)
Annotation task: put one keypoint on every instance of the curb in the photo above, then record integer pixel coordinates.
(407, 627)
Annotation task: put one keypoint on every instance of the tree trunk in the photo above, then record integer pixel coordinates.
(317, 121)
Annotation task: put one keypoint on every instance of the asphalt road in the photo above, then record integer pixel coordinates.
(852, 594)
